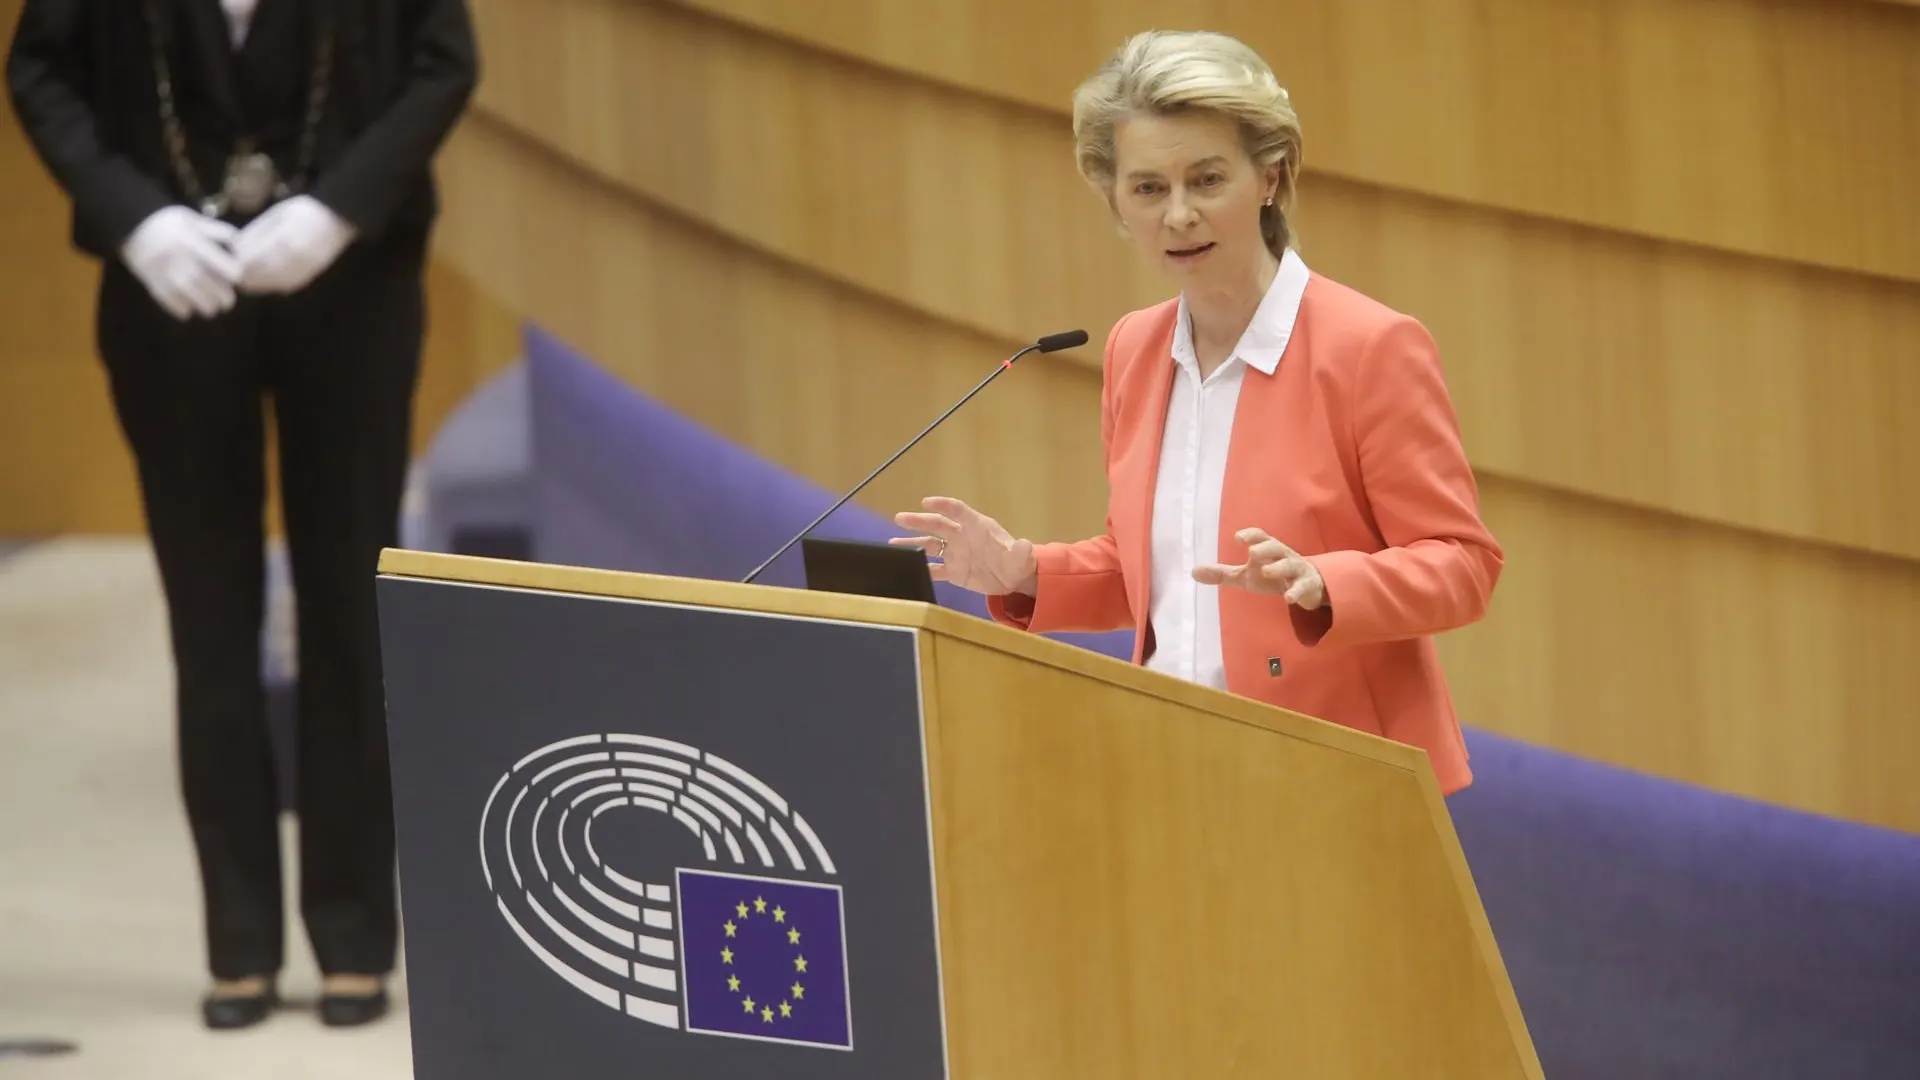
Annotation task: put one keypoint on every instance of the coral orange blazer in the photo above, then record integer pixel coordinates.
(1350, 454)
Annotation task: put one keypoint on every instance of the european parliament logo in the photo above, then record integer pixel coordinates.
(714, 949)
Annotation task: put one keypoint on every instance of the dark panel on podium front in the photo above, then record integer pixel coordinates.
(645, 840)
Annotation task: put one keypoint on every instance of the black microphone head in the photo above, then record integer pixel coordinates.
(1065, 339)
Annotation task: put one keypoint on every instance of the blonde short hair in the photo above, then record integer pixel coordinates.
(1163, 73)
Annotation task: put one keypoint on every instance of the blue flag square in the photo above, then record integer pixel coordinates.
(764, 959)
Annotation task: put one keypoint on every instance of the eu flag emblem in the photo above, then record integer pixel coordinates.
(764, 959)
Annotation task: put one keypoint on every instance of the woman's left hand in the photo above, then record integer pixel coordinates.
(1272, 568)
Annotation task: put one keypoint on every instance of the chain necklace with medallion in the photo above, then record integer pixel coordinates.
(252, 181)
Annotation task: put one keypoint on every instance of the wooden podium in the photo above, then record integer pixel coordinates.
(661, 826)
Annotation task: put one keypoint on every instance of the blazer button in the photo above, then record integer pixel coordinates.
(1273, 665)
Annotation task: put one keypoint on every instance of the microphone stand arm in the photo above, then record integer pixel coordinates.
(758, 570)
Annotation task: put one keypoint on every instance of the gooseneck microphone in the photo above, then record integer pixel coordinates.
(1066, 339)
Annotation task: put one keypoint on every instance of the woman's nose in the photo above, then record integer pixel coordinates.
(1179, 212)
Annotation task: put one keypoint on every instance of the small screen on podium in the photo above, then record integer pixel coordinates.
(866, 569)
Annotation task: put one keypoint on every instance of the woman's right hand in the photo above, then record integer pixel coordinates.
(969, 548)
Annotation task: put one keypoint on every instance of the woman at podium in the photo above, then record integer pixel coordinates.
(1291, 515)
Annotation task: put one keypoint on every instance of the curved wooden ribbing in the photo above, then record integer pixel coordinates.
(822, 378)
(1742, 662)
(1755, 665)
(1784, 128)
(1729, 388)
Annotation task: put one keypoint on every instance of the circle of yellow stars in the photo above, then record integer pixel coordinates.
(796, 992)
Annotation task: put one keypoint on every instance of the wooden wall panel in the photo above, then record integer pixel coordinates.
(1766, 667)
(1730, 388)
(903, 188)
(1747, 663)
(1785, 128)
(820, 377)
(61, 462)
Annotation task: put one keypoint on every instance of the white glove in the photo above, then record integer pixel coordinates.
(182, 258)
(284, 249)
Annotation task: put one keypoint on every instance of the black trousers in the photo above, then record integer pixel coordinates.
(338, 362)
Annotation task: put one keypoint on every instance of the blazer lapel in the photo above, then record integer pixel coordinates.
(210, 42)
(1266, 420)
(1156, 371)
(1255, 430)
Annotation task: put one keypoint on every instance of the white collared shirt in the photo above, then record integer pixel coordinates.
(239, 17)
(1193, 465)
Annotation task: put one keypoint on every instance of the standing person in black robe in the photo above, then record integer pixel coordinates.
(254, 176)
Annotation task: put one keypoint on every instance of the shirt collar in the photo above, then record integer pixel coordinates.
(1266, 337)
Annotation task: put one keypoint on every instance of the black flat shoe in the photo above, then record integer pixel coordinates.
(228, 1013)
(352, 1010)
